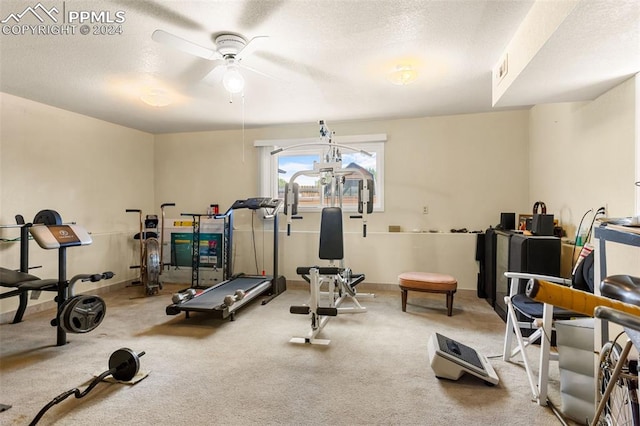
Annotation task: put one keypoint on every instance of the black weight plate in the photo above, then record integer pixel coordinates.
(83, 314)
(62, 312)
(48, 217)
(126, 363)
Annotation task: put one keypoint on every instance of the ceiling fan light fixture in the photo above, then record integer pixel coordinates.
(233, 81)
(156, 98)
(403, 75)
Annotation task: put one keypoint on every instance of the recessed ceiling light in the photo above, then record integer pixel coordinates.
(403, 75)
(156, 98)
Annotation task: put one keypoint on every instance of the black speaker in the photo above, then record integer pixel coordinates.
(535, 254)
(542, 224)
(507, 221)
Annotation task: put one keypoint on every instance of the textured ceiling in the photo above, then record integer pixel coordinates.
(328, 59)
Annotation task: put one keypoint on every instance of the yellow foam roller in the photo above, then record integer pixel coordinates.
(574, 300)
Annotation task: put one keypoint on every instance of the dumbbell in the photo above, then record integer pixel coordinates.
(183, 296)
(231, 299)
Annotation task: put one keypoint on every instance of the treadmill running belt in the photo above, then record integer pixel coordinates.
(210, 299)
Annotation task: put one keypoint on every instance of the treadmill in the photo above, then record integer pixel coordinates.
(212, 299)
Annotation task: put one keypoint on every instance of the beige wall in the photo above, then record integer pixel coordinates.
(582, 155)
(88, 170)
(466, 168)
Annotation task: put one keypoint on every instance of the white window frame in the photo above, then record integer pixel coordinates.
(269, 163)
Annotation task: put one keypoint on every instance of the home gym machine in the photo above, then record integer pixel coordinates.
(151, 249)
(224, 299)
(341, 281)
(75, 313)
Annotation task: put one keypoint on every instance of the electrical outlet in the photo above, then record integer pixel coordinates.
(425, 209)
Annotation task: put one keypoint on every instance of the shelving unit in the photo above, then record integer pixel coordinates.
(614, 234)
(195, 247)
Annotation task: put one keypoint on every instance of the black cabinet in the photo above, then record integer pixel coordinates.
(485, 255)
(513, 251)
(503, 264)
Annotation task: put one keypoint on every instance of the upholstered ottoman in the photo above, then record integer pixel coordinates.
(430, 283)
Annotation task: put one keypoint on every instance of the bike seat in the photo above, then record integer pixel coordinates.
(624, 288)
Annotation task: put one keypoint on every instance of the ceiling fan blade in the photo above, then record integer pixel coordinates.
(215, 76)
(251, 46)
(259, 72)
(185, 46)
(294, 67)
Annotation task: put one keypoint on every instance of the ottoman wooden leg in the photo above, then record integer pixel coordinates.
(449, 303)
(404, 300)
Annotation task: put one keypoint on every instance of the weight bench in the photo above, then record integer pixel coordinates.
(23, 283)
(75, 313)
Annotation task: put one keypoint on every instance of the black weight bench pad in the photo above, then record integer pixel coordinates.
(11, 278)
(42, 285)
(24, 282)
(305, 270)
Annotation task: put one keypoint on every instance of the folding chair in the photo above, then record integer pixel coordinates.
(539, 317)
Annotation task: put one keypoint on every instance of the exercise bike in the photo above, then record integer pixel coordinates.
(151, 250)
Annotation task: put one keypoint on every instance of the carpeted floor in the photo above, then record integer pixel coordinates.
(204, 371)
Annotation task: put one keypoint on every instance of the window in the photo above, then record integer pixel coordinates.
(277, 170)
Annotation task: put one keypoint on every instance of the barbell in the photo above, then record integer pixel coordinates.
(124, 364)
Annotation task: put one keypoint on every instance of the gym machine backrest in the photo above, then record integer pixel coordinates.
(332, 248)
(331, 236)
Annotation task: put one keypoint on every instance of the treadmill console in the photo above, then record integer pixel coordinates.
(256, 203)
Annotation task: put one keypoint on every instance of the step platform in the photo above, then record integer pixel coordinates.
(450, 359)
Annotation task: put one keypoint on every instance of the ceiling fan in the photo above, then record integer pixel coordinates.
(230, 50)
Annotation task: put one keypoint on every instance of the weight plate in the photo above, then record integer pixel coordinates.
(126, 363)
(62, 312)
(82, 314)
(48, 217)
